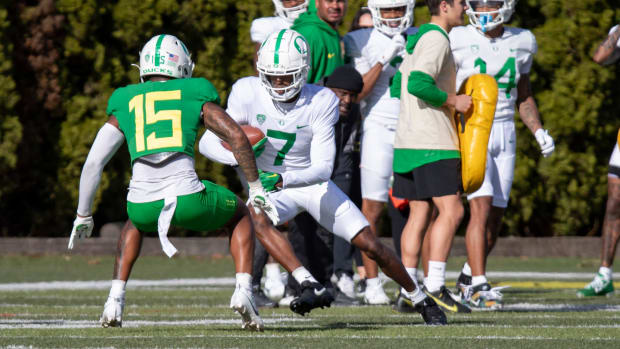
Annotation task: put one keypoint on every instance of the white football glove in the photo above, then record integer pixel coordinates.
(545, 141)
(260, 201)
(82, 228)
(393, 49)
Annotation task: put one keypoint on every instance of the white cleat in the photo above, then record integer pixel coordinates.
(243, 303)
(346, 285)
(375, 296)
(113, 312)
(274, 288)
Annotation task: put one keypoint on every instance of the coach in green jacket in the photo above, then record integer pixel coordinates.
(319, 27)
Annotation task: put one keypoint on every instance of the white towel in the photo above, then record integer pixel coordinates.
(163, 224)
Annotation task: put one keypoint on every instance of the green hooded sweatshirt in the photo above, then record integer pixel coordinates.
(324, 41)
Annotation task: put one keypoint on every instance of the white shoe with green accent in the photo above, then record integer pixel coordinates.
(600, 286)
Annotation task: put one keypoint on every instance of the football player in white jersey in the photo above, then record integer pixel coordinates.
(602, 285)
(286, 12)
(506, 53)
(297, 162)
(376, 53)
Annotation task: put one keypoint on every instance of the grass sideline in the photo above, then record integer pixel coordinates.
(536, 315)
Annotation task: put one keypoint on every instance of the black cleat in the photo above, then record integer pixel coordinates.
(360, 288)
(443, 298)
(343, 300)
(313, 295)
(461, 285)
(430, 311)
(403, 305)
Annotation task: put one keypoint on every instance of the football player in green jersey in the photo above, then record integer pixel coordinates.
(159, 119)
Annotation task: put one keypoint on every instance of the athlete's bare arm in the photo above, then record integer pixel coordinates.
(370, 79)
(217, 120)
(528, 111)
(606, 48)
(114, 122)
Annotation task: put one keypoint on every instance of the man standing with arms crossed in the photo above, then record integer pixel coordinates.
(426, 147)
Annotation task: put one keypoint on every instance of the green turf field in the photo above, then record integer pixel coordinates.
(540, 312)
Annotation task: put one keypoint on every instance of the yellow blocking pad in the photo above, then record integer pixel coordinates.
(542, 284)
(474, 128)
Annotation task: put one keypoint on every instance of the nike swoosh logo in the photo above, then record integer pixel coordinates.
(298, 127)
(319, 293)
(452, 308)
(330, 55)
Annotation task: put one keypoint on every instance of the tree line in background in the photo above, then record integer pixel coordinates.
(60, 61)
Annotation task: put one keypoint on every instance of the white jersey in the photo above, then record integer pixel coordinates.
(506, 58)
(300, 143)
(262, 27)
(365, 47)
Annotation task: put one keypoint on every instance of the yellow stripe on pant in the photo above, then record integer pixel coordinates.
(474, 128)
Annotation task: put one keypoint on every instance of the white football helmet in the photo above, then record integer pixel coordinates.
(289, 14)
(283, 53)
(384, 24)
(486, 21)
(165, 55)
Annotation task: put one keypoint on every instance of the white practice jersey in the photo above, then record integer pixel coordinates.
(301, 143)
(262, 27)
(365, 48)
(506, 58)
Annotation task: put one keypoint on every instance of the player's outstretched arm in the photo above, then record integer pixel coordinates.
(528, 112)
(106, 144)
(607, 48)
(219, 122)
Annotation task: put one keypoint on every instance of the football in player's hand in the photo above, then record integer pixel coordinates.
(254, 135)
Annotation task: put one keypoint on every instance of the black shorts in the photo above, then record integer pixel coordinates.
(614, 170)
(435, 179)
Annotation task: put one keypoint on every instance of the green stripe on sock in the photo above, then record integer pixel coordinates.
(276, 57)
(157, 47)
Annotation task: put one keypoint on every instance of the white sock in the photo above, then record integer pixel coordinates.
(466, 269)
(272, 270)
(118, 289)
(477, 280)
(373, 283)
(413, 274)
(606, 272)
(244, 280)
(302, 274)
(436, 275)
(416, 296)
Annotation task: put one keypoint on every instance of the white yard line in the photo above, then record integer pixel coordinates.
(228, 281)
(254, 336)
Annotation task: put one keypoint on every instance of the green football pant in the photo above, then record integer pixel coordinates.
(205, 210)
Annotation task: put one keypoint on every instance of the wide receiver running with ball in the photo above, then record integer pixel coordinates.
(159, 119)
(296, 164)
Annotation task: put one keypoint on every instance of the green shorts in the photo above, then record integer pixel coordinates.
(205, 210)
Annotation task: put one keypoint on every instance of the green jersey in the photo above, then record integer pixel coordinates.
(324, 41)
(158, 117)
